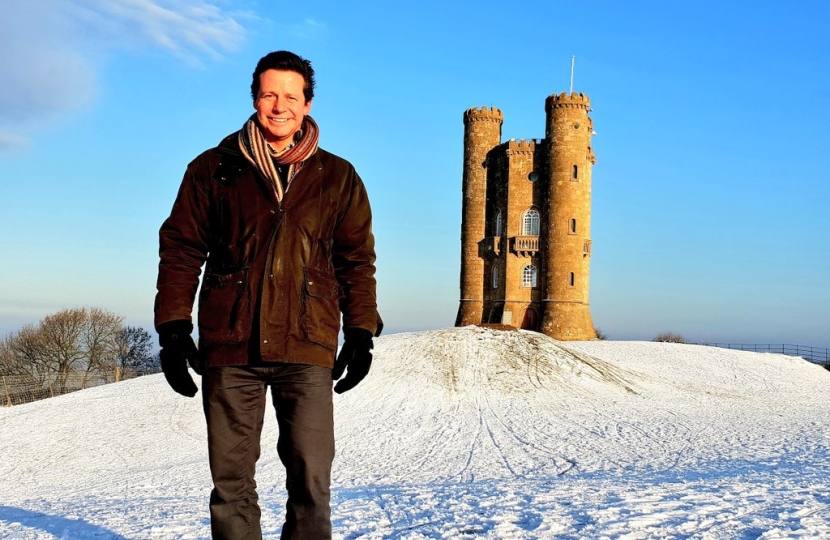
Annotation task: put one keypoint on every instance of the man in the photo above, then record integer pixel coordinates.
(284, 230)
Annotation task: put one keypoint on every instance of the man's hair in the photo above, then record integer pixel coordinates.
(285, 61)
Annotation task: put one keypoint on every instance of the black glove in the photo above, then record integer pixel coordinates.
(177, 349)
(356, 354)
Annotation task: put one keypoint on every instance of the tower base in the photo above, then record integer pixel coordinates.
(568, 321)
(469, 312)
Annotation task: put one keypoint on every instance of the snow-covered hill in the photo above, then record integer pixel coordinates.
(463, 433)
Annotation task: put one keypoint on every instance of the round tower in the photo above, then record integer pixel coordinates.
(567, 221)
(482, 132)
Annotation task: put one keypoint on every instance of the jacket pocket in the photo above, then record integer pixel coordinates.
(224, 308)
(320, 317)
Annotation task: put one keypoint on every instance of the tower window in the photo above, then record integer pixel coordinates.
(530, 223)
(529, 276)
(499, 223)
(495, 277)
(572, 226)
(576, 173)
(572, 279)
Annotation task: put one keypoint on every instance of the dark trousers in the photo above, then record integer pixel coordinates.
(234, 403)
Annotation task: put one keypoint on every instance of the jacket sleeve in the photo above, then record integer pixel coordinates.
(183, 248)
(353, 254)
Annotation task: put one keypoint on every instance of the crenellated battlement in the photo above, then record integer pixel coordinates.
(522, 146)
(486, 114)
(573, 100)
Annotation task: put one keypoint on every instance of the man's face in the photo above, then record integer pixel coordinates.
(281, 106)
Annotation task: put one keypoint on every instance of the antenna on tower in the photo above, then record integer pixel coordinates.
(572, 74)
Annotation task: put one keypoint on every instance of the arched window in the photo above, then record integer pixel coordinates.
(530, 223)
(499, 223)
(573, 279)
(572, 226)
(495, 277)
(529, 276)
(576, 172)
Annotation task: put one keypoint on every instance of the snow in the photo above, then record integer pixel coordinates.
(462, 433)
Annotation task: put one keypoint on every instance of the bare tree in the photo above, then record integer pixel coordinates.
(60, 338)
(669, 337)
(100, 341)
(78, 342)
(135, 350)
(25, 354)
(10, 360)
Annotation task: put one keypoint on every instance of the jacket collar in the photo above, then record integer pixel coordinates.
(310, 174)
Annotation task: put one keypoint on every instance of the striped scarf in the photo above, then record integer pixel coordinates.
(257, 150)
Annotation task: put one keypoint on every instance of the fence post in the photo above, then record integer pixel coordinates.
(117, 373)
(6, 389)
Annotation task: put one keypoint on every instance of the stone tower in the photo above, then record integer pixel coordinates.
(568, 131)
(482, 132)
(525, 232)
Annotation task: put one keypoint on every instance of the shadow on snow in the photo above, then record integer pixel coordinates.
(59, 526)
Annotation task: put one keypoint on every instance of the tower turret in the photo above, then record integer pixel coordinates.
(482, 132)
(567, 224)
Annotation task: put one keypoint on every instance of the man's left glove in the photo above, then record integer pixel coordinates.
(356, 354)
(177, 349)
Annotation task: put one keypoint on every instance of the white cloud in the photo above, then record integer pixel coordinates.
(42, 72)
(309, 29)
(11, 142)
(50, 49)
(187, 28)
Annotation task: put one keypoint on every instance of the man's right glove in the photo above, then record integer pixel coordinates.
(177, 348)
(356, 353)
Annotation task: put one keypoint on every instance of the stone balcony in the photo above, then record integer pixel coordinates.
(490, 247)
(524, 246)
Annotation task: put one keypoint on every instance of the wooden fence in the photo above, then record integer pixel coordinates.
(817, 355)
(16, 389)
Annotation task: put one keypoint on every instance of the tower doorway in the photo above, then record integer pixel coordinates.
(530, 320)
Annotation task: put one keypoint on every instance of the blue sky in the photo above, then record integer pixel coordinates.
(710, 194)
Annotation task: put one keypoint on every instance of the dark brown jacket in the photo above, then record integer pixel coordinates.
(277, 276)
